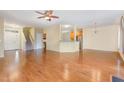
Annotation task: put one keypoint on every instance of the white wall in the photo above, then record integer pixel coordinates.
(120, 42)
(11, 40)
(105, 38)
(14, 27)
(38, 38)
(69, 46)
(53, 37)
(1, 37)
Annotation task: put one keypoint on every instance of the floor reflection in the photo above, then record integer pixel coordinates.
(14, 68)
(118, 67)
(54, 66)
(96, 75)
(66, 72)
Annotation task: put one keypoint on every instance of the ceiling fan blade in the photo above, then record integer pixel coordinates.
(48, 12)
(48, 15)
(39, 12)
(54, 16)
(41, 17)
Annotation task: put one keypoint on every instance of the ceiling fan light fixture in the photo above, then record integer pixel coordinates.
(47, 18)
(47, 15)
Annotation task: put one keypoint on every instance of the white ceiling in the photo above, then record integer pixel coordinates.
(77, 17)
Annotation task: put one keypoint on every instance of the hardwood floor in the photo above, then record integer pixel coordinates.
(40, 65)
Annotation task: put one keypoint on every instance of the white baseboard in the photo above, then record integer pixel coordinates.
(101, 50)
(39, 48)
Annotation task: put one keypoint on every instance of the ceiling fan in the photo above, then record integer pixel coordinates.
(48, 15)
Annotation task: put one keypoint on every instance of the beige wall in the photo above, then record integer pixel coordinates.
(105, 38)
(1, 37)
(53, 37)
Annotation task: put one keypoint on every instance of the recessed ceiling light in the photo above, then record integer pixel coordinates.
(66, 26)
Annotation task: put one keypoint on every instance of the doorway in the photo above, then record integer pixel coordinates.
(11, 40)
(79, 37)
(44, 40)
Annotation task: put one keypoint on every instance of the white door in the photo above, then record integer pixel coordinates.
(11, 40)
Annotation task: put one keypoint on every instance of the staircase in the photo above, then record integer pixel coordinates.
(29, 44)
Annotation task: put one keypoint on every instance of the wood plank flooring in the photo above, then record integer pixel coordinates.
(48, 66)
